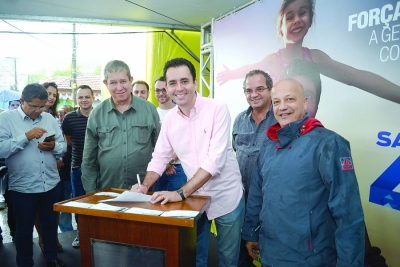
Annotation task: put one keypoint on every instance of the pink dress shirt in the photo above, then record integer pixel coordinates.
(202, 141)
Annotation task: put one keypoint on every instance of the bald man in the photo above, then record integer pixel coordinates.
(304, 206)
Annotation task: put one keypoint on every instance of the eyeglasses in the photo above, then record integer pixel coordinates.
(33, 108)
(258, 90)
(159, 91)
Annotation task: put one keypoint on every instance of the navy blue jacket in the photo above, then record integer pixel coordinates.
(304, 205)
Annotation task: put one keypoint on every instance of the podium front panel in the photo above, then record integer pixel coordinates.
(107, 253)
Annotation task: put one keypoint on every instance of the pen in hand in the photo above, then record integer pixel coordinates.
(138, 180)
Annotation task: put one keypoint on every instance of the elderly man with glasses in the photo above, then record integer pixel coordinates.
(34, 182)
(248, 133)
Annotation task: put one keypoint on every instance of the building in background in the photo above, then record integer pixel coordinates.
(65, 87)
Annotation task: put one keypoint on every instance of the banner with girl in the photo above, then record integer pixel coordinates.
(346, 54)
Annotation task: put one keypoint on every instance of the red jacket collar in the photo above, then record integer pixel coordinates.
(308, 125)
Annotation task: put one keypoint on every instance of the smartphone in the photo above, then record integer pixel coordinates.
(49, 138)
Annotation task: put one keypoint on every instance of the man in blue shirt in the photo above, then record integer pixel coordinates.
(248, 133)
(32, 171)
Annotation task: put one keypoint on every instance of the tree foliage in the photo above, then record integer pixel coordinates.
(37, 77)
(97, 70)
(68, 71)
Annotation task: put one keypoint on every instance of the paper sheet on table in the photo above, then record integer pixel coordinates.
(102, 206)
(144, 211)
(109, 194)
(128, 196)
(180, 213)
(78, 204)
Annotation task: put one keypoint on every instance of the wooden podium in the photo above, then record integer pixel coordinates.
(172, 238)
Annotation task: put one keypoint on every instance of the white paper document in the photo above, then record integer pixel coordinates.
(102, 206)
(144, 211)
(128, 196)
(109, 194)
(180, 213)
(78, 204)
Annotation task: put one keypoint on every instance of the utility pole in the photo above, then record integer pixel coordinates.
(15, 75)
(73, 80)
(15, 87)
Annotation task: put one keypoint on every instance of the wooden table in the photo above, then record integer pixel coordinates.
(176, 237)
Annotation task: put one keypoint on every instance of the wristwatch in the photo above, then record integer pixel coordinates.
(180, 192)
(172, 161)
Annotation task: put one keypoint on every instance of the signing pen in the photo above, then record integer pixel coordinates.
(138, 181)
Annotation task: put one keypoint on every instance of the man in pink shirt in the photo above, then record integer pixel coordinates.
(198, 131)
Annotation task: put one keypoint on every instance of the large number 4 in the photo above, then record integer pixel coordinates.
(381, 192)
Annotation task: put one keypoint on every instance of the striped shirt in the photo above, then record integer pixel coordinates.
(74, 125)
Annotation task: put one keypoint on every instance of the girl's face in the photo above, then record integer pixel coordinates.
(296, 21)
(52, 96)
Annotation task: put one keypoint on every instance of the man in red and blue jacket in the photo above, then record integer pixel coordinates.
(304, 206)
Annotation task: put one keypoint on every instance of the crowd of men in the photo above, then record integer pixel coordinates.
(283, 188)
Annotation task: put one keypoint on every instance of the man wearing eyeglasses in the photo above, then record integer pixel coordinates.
(248, 133)
(32, 170)
(174, 177)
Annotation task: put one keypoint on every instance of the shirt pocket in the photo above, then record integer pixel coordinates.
(243, 139)
(141, 133)
(107, 135)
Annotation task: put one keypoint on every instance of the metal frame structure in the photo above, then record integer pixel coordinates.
(206, 59)
(207, 52)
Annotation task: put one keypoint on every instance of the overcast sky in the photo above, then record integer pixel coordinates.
(50, 52)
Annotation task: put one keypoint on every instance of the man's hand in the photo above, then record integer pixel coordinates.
(47, 146)
(252, 249)
(165, 197)
(60, 164)
(142, 189)
(170, 170)
(35, 133)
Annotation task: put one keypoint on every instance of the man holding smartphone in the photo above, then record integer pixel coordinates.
(49, 138)
(34, 186)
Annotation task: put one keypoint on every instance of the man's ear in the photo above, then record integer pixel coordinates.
(105, 82)
(305, 103)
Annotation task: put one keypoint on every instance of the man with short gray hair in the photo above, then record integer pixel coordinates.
(121, 134)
